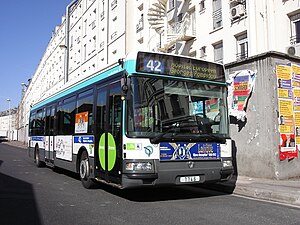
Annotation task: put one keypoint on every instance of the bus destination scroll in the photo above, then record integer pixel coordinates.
(178, 66)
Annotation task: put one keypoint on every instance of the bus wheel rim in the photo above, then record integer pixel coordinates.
(84, 169)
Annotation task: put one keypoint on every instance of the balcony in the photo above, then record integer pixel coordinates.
(184, 29)
(241, 55)
(294, 39)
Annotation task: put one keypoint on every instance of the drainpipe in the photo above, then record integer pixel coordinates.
(66, 46)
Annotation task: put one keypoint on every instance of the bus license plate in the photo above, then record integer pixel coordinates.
(189, 179)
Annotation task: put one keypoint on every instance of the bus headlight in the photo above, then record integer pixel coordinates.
(139, 166)
(226, 163)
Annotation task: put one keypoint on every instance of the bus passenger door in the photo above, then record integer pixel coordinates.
(49, 145)
(108, 133)
(114, 131)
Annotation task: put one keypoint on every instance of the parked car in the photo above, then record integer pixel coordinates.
(3, 138)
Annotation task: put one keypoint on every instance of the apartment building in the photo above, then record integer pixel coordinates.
(94, 34)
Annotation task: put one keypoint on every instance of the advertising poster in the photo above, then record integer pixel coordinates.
(241, 84)
(187, 151)
(81, 122)
(63, 147)
(287, 84)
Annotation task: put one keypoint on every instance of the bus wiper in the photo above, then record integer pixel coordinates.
(155, 139)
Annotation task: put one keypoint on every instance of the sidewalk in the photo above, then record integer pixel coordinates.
(283, 191)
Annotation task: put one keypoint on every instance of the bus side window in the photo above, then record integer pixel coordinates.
(85, 104)
(66, 116)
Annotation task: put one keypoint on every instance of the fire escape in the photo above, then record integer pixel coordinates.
(180, 29)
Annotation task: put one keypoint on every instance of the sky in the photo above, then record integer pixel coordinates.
(25, 30)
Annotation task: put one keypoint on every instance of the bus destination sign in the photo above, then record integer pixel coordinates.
(179, 66)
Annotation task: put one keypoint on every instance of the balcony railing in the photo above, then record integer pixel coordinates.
(241, 55)
(294, 39)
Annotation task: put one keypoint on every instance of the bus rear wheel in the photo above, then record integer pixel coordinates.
(84, 171)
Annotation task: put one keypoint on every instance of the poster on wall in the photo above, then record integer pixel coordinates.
(288, 90)
(241, 85)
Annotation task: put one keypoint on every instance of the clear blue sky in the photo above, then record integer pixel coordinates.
(25, 30)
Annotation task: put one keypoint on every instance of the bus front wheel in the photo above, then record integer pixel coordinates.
(84, 171)
(37, 160)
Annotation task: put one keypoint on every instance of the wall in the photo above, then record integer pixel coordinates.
(257, 138)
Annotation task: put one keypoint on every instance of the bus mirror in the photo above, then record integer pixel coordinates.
(124, 84)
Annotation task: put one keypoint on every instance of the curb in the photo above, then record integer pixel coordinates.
(270, 191)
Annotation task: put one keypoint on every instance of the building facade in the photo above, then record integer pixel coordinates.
(94, 34)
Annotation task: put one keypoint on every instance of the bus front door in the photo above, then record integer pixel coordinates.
(108, 128)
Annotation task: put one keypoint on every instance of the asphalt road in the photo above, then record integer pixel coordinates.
(34, 196)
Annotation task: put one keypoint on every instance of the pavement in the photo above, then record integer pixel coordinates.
(281, 191)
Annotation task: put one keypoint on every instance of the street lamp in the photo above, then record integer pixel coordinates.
(24, 87)
(8, 100)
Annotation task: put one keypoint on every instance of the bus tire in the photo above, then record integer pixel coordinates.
(37, 160)
(84, 171)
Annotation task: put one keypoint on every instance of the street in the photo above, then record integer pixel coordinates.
(33, 196)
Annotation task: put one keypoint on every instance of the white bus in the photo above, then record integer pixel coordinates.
(153, 119)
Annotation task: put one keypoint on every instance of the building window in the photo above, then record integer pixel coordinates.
(84, 52)
(102, 14)
(295, 29)
(217, 14)
(202, 6)
(84, 28)
(242, 46)
(94, 43)
(172, 4)
(203, 52)
(114, 4)
(140, 25)
(218, 52)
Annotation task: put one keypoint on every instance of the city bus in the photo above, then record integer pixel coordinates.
(153, 119)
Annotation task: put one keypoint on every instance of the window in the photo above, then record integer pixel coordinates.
(295, 29)
(202, 6)
(84, 52)
(242, 46)
(95, 43)
(101, 111)
(37, 122)
(140, 25)
(115, 112)
(50, 113)
(217, 14)
(171, 4)
(102, 14)
(114, 4)
(84, 28)
(85, 105)
(66, 116)
(218, 52)
(202, 51)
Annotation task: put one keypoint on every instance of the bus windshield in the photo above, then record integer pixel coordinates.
(177, 110)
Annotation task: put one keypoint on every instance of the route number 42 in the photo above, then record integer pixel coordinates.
(154, 66)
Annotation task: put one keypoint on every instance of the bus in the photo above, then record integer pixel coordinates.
(152, 119)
